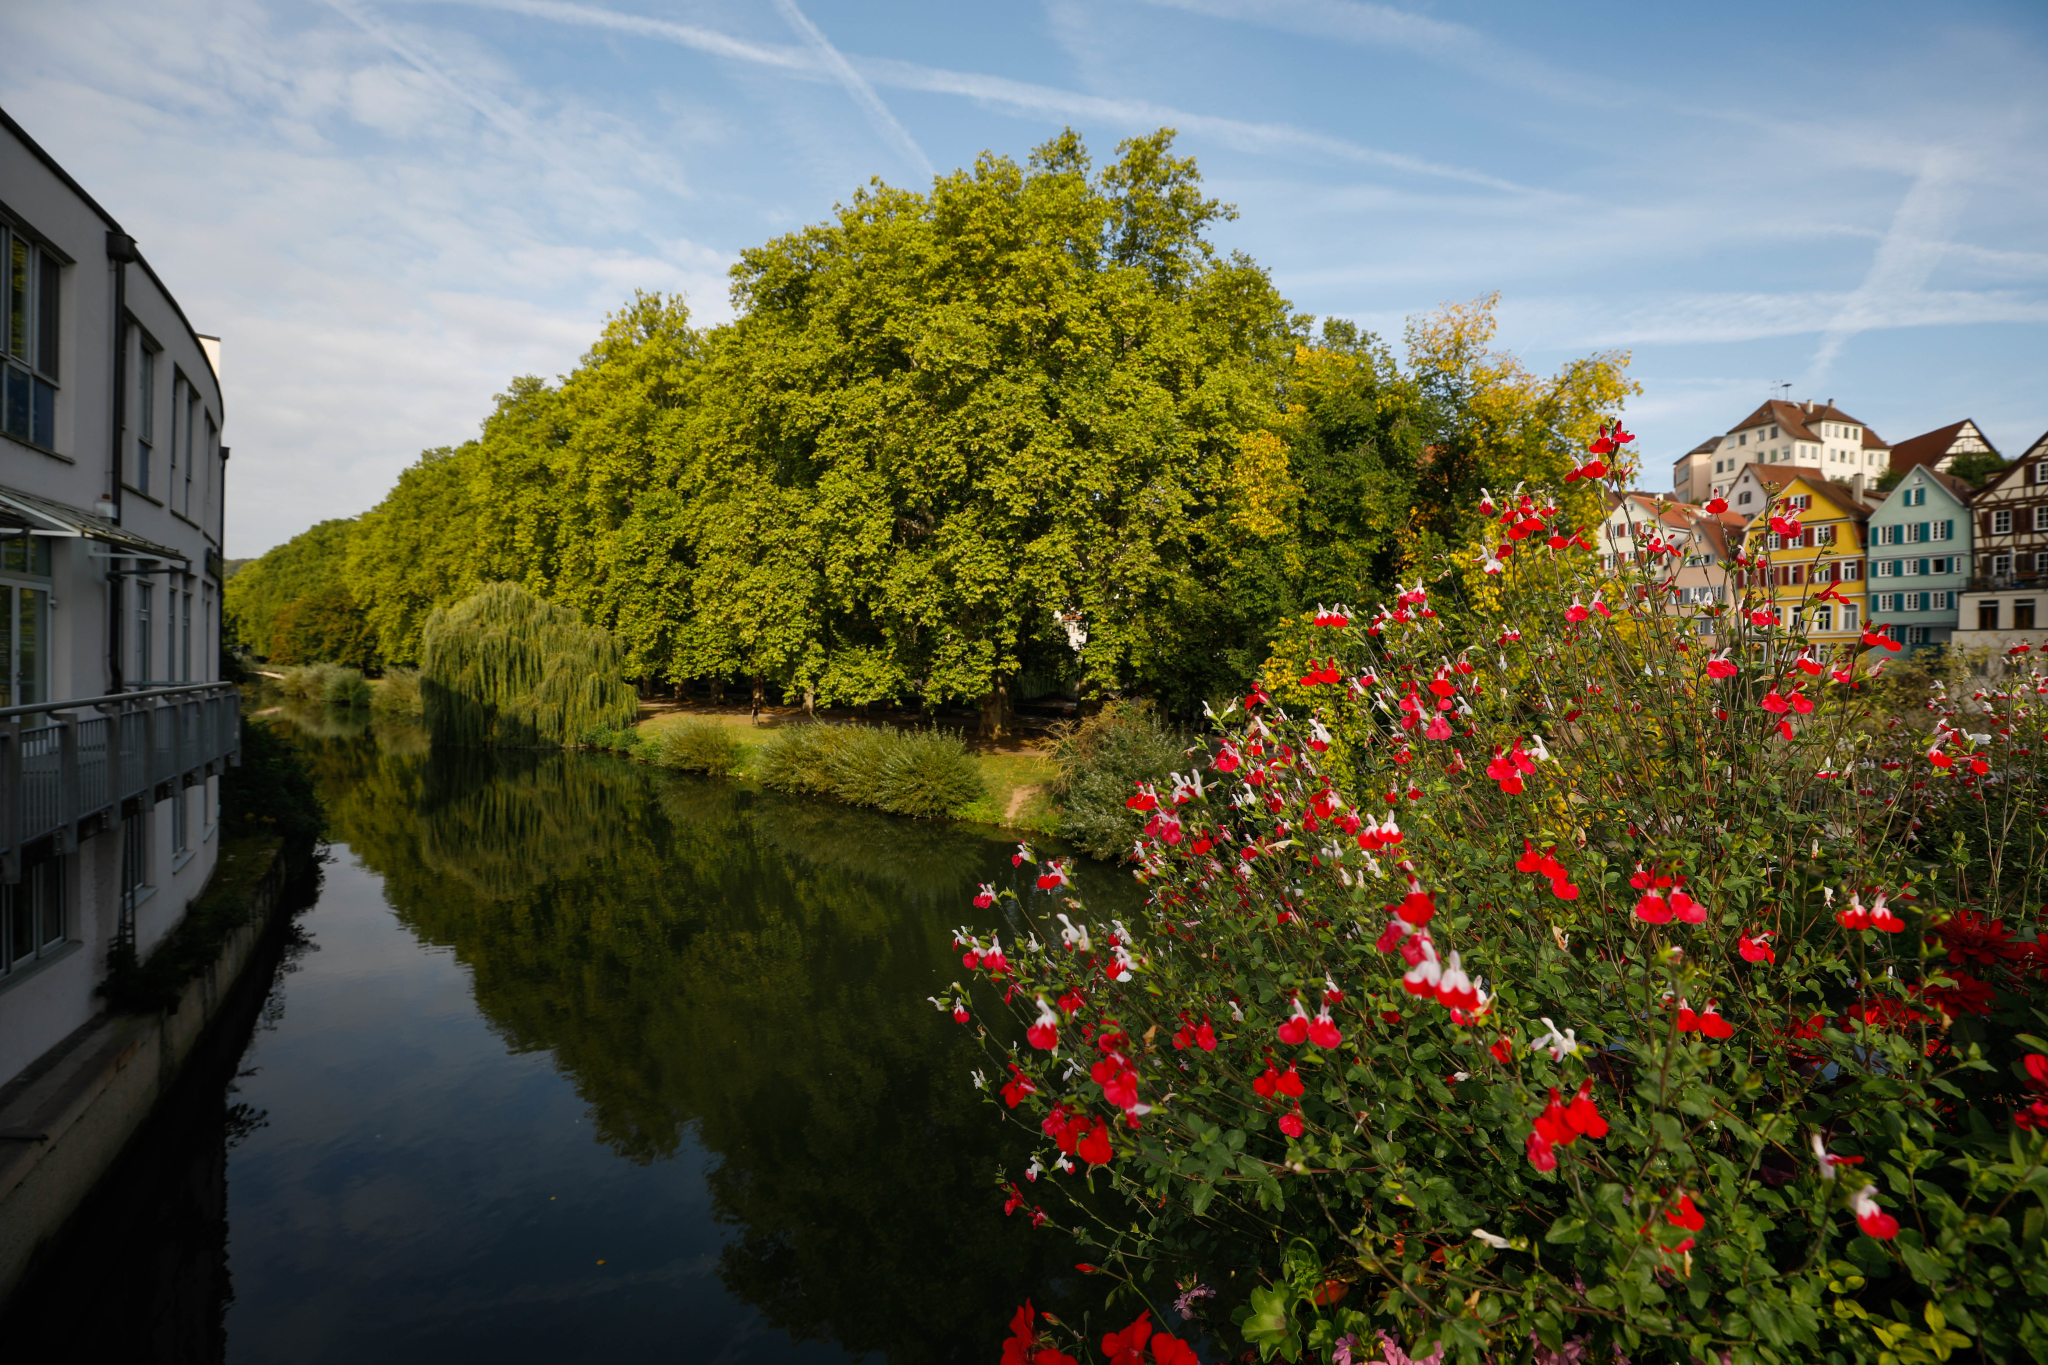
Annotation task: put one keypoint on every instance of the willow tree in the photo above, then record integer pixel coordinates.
(502, 667)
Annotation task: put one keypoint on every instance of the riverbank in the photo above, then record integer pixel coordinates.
(1017, 777)
(66, 1120)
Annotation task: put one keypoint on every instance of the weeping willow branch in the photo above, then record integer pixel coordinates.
(501, 667)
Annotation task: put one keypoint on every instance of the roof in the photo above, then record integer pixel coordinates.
(1708, 446)
(1712, 527)
(1796, 418)
(54, 518)
(1933, 445)
(2035, 453)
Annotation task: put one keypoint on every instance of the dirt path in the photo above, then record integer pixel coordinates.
(1019, 798)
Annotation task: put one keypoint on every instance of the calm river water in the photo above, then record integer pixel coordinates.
(576, 1060)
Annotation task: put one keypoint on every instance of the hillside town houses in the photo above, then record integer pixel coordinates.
(1934, 541)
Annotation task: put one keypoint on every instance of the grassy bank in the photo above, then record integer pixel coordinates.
(1016, 783)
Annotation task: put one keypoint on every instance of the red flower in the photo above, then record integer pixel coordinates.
(1017, 1087)
(986, 898)
(1044, 1033)
(1967, 996)
(1323, 1031)
(1128, 1346)
(1503, 1051)
(1684, 1215)
(1583, 1115)
(1541, 1154)
(1874, 1221)
(2037, 1071)
(1756, 949)
(1290, 1122)
(1295, 1031)
(1721, 666)
(1653, 909)
(1687, 909)
(1715, 506)
(1714, 1026)
(1170, 1350)
(1093, 1146)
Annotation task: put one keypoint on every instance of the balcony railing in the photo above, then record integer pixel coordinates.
(2009, 583)
(64, 764)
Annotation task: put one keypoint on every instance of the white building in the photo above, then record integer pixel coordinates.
(111, 469)
(1815, 435)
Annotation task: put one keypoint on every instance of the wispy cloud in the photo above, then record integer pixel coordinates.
(1369, 25)
(1901, 266)
(856, 86)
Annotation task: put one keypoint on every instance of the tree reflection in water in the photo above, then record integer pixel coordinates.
(749, 969)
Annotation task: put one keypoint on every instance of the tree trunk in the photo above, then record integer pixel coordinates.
(995, 712)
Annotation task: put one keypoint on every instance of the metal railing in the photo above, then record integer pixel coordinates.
(64, 763)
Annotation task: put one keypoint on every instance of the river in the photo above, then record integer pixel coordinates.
(572, 1059)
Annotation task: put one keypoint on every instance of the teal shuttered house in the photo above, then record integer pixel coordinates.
(1920, 548)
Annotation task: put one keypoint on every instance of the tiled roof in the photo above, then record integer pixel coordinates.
(1797, 418)
(1929, 446)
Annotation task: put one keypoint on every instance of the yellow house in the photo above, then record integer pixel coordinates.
(1816, 574)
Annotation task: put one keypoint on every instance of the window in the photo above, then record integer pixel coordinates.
(1987, 616)
(1887, 601)
(1743, 439)
(143, 593)
(1746, 499)
(24, 620)
(1916, 635)
(181, 816)
(185, 639)
(1823, 618)
(191, 418)
(135, 886)
(1886, 567)
(2023, 614)
(2041, 518)
(2041, 563)
(32, 913)
(1849, 616)
(29, 278)
(1773, 541)
(1801, 501)
(177, 408)
(1944, 601)
(2001, 566)
(1916, 497)
(1941, 566)
(1944, 530)
(145, 415)
(1774, 431)
(2041, 472)
(1849, 571)
(2001, 522)
(1887, 535)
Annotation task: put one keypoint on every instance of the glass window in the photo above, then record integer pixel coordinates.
(30, 281)
(181, 812)
(24, 620)
(1823, 618)
(144, 593)
(2001, 566)
(2041, 518)
(32, 913)
(1987, 616)
(185, 638)
(2023, 614)
(2001, 522)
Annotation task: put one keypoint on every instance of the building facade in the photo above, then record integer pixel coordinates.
(1690, 551)
(1920, 544)
(113, 725)
(2007, 601)
(1816, 577)
(1696, 475)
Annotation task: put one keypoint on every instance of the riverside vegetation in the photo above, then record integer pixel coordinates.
(1537, 968)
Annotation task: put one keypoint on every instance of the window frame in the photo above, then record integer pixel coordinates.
(30, 369)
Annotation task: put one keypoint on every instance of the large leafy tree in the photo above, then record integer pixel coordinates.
(1016, 399)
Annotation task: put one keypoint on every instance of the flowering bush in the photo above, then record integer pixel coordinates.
(1541, 966)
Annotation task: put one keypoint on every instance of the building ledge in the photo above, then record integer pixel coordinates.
(21, 976)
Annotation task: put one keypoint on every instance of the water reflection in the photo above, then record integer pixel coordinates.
(737, 980)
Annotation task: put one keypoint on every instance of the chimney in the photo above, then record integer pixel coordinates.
(1856, 486)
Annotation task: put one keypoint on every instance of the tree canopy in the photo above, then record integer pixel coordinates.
(1029, 428)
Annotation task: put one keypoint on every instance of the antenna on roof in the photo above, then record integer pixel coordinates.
(1786, 386)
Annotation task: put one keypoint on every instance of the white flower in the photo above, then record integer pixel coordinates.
(1492, 1239)
(1561, 1045)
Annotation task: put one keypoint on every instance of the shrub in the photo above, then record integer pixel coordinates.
(927, 774)
(1565, 972)
(306, 682)
(345, 687)
(697, 746)
(1099, 759)
(799, 758)
(398, 694)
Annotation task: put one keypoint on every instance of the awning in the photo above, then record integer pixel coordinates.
(43, 517)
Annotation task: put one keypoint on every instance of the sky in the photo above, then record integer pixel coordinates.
(388, 209)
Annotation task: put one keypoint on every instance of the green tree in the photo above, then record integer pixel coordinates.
(313, 560)
(324, 626)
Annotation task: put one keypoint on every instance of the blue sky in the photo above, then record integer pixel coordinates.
(389, 207)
